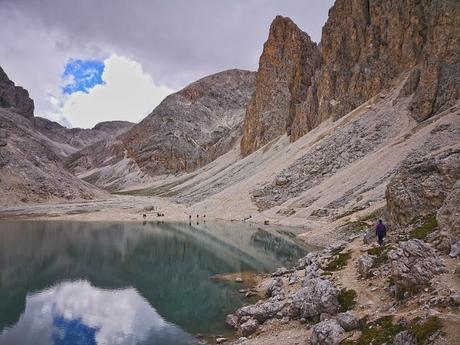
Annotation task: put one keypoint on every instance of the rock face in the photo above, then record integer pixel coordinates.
(413, 265)
(365, 47)
(186, 131)
(448, 216)
(286, 68)
(366, 44)
(327, 332)
(15, 97)
(30, 168)
(421, 186)
(80, 137)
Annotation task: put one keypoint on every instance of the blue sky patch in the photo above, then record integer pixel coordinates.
(83, 75)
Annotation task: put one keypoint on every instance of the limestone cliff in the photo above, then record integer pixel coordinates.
(286, 68)
(365, 47)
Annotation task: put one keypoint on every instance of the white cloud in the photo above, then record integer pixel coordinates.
(128, 93)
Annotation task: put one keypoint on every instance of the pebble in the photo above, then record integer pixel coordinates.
(221, 340)
(238, 280)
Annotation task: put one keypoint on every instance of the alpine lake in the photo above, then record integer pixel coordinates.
(64, 282)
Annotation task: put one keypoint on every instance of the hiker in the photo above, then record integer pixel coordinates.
(380, 231)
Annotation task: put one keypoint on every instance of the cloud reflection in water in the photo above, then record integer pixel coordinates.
(79, 313)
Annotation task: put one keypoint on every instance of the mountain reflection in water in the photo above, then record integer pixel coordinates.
(114, 280)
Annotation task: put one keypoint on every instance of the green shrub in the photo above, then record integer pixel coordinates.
(347, 299)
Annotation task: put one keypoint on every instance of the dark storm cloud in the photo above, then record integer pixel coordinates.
(175, 41)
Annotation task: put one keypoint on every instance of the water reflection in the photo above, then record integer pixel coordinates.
(78, 313)
(151, 269)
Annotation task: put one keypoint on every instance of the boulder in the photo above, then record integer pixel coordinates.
(232, 321)
(347, 321)
(275, 287)
(421, 186)
(365, 264)
(292, 278)
(413, 264)
(262, 310)
(405, 338)
(316, 296)
(455, 250)
(249, 327)
(327, 332)
(441, 240)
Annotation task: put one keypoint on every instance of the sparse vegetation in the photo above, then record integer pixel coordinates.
(338, 261)
(428, 225)
(383, 331)
(347, 299)
(380, 331)
(424, 330)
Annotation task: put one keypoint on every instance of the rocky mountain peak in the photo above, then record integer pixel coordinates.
(12, 96)
(366, 47)
(286, 67)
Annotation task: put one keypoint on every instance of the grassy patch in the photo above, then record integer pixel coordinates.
(350, 212)
(429, 224)
(424, 330)
(380, 331)
(357, 226)
(338, 261)
(347, 299)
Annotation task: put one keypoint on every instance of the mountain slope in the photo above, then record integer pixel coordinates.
(31, 167)
(186, 131)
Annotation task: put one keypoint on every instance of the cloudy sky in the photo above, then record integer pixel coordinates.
(88, 61)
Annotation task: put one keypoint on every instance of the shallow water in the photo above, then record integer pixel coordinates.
(127, 283)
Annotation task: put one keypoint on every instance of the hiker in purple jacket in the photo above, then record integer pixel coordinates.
(380, 231)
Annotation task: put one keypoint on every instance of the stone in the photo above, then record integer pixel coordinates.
(292, 278)
(347, 321)
(262, 310)
(441, 240)
(275, 287)
(232, 321)
(413, 265)
(365, 264)
(221, 340)
(316, 296)
(369, 236)
(249, 327)
(455, 250)
(448, 216)
(327, 332)
(281, 272)
(455, 298)
(286, 67)
(421, 186)
(405, 338)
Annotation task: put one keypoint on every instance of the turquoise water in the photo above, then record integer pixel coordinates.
(127, 283)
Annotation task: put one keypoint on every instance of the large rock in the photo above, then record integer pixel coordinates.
(249, 327)
(327, 332)
(405, 338)
(347, 321)
(15, 97)
(286, 67)
(365, 264)
(448, 216)
(316, 296)
(275, 287)
(413, 264)
(421, 186)
(262, 310)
